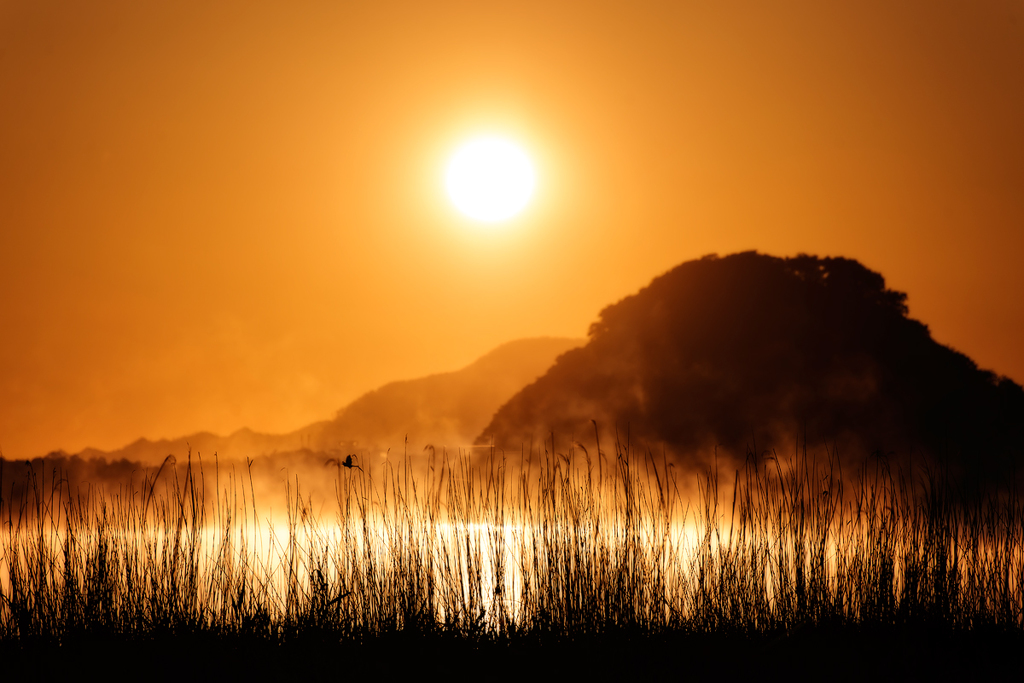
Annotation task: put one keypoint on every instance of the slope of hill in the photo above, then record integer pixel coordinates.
(752, 351)
(444, 409)
(449, 408)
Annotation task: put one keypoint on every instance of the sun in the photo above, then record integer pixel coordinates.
(490, 179)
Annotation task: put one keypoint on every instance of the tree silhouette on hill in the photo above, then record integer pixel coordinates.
(754, 351)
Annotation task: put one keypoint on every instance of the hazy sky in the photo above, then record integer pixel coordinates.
(217, 214)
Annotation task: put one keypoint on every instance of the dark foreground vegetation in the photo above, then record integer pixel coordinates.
(587, 563)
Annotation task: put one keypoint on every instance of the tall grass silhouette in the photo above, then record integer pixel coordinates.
(553, 546)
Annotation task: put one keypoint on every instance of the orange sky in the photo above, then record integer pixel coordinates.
(226, 214)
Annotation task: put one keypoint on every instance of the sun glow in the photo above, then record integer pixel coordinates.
(490, 179)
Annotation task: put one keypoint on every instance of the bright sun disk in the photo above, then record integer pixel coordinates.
(490, 179)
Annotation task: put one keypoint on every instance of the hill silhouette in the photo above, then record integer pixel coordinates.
(444, 409)
(448, 408)
(751, 351)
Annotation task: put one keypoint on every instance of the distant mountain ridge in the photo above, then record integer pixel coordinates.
(448, 408)
(751, 351)
(240, 443)
(443, 409)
